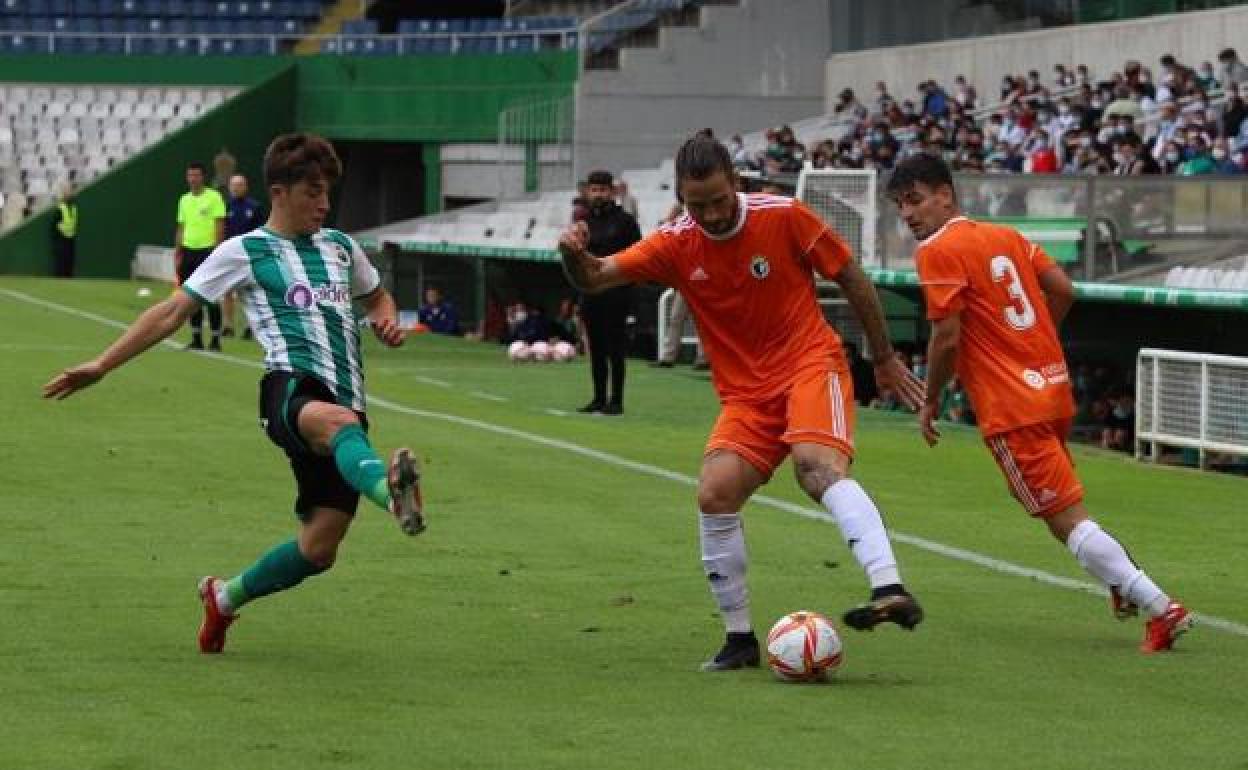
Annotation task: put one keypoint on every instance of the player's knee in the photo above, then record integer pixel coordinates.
(322, 555)
(815, 476)
(717, 500)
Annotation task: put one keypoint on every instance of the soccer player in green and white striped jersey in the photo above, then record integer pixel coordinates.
(298, 281)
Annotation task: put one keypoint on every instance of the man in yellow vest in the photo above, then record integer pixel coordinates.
(201, 226)
(64, 233)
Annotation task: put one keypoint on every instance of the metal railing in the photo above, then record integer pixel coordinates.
(537, 137)
(509, 41)
(1191, 400)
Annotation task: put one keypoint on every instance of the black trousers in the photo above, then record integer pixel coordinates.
(62, 256)
(606, 326)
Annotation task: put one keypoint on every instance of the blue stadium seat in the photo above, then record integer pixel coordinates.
(186, 46)
(40, 24)
(176, 9)
(88, 45)
(133, 26)
(87, 7)
(519, 44)
(179, 26)
(264, 8)
(291, 27)
(457, 25)
(254, 46)
(109, 25)
(440, 45)
(308, 9)
(245, 10)
(29, 44)
(130, 7)
(60, 23)
(112, 45)
(329, 45)
(200, 9)
(265, 26)
(442, 26)
(10, 8)
(359, 27)
(153, 8)
(283, 9)
(89, 25)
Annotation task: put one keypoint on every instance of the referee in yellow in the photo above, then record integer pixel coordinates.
(201, 226)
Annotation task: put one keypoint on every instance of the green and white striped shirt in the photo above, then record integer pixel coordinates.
(297, 294)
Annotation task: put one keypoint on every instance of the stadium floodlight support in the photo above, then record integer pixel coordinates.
(1192, 400)
(845, 199)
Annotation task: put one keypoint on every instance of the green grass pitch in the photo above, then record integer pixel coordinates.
(554, 614)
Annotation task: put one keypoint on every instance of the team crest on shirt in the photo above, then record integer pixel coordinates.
(341, 253)
(759, 266)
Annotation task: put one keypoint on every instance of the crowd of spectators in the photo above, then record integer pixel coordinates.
(1177, 120)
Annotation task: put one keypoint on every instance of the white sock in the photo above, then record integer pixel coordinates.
(223, 598)
(1105, 558)
(863, 530)
(724, 561)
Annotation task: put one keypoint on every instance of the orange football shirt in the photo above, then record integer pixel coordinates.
(752, 291)
(1009, 357)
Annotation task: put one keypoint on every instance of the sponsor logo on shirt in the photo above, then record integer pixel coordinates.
(699, 274)
(1033, 378)
(301, 296)
(759, 266)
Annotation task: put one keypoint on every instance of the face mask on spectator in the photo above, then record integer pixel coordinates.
(1172, 157)
(1085, 141)
(1121, 129)
(1219, 154)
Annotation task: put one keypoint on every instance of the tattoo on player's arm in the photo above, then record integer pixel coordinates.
(862, 297)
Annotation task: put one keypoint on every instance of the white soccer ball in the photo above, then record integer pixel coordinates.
(144, 291)
(519, 351)
(540, 351)
(803, 647)
(563, 351)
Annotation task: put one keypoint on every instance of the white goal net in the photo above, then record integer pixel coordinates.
(1193, 400)
(846, 199)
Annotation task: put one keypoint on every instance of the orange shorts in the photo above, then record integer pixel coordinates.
(1038, 467)
(818, 409)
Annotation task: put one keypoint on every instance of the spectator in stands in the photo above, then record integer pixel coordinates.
(964, 93)
(1063, 78)
(65, 232)
(1130, 159)
(1171, 158)
(1221, 155)
(847, 106)
(201, 227)
(438, 313)
(1205, 79)
(1123, 104)
(625, 199)
(1233, 72)
(566, 325)
(1119, 430)
(1234, 112)
(740, 156)
(242, 215)
(1041, 158)
(1082, 75)
(884, 101)
(611, 229)
(1199, 160)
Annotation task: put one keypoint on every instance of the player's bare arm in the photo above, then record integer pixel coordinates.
(1059, 293)
(155, 324)
(383, 315)
(585, 271)
(889, 372)
(942, 354)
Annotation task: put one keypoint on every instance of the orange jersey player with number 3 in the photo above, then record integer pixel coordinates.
(746, 266)
(994, 300)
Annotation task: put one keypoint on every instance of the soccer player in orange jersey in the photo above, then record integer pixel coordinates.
(745, 264)
(994, 300)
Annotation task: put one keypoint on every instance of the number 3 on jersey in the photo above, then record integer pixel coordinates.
(1020, 315)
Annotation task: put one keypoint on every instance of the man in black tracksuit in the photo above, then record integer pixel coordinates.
(611, 229)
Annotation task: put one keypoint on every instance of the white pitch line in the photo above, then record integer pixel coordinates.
(952, 552)
(556, 412)
(432, 381)
(488, 396)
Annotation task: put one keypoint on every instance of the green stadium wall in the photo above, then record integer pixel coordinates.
(428, 99)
